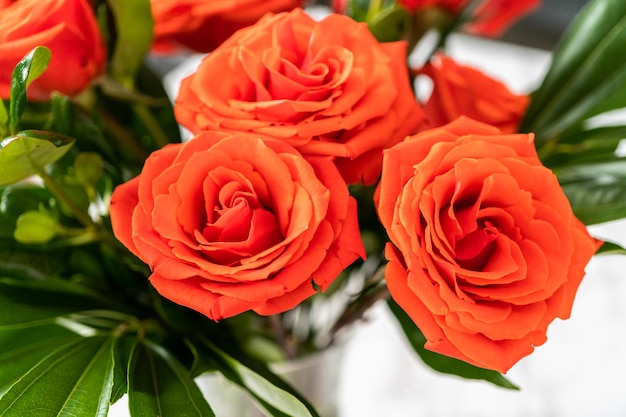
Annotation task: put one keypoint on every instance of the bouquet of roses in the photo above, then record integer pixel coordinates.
(311, 184)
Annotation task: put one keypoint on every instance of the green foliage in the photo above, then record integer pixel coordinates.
(441, 363)
(160, 386)
(586, 76)
(133, 24)
(28, 152)
(596, 191)
(75, 378)
(26, 71)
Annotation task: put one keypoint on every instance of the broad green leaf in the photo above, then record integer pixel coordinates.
(26, 71)
(75, 380)
(443, 363)
(133, 23)
(28, 303)
(275, 395)
(160, 386)
(596, 191)
(22, 349)
(586, 71)
(28, 152)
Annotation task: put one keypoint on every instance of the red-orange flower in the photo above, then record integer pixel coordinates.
(486, 251)
(460, 90)
(68, 27)
(230, 223)
(327, 88)
(202, 25)
(490, 18)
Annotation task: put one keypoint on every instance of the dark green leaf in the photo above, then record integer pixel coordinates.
(586, 71)
(22, 349)
(443, 363)
(122, 353)
(133, 23)
(75, 380)
(160, 386)
(596, 191)
(274, 394)
(25, 72)
(610, 248)
(28, 152)
(391, 24)
(27, 302)
(583, 146)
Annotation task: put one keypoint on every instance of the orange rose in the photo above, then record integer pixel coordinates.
(490, 18)
(230, 223)
(327, 88)
(464, 91)
(486, 251)
(68, 27)
(202, 25)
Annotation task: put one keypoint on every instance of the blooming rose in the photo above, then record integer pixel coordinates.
(68, 27)
(486, 251)
(230, 223)
(327, 88)
(490, 18)
(202, 25)
(464, 91)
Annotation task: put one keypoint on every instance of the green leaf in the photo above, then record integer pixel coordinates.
(596, 191)
(133, 23)
(441, 363)
(26, 71)
(4, 119)
(15, 200)
(390, 24)
(160, 386)
(28, 152)
(35, 227)
(22, 349)
(583, 146)
(610, 248)
(28, 303)
(586, 71)
(274, 394)
(122, 353)
(74, 379)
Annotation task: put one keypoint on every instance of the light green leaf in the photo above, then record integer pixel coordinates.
(75, 380)
(441, 363)
(22, 349)
(160, 386)
(26, 71)
(28, 302)
(133, 22)
(35, 227)
(4, 119)
(586, 71)
(28, 152)
(275, 396)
